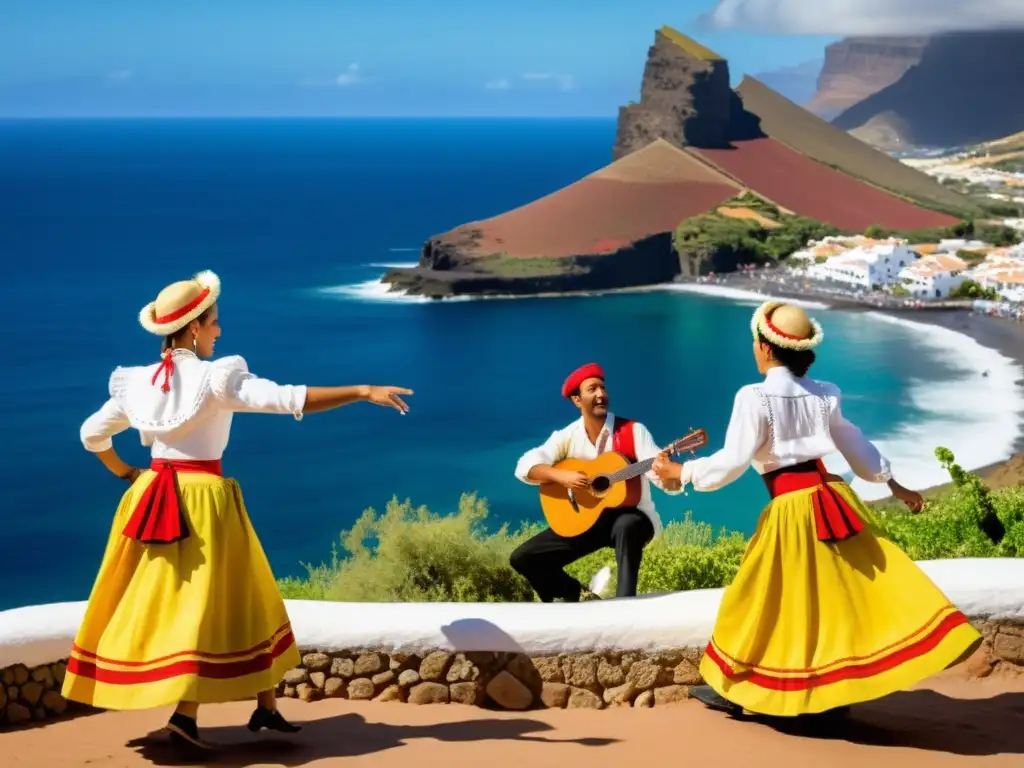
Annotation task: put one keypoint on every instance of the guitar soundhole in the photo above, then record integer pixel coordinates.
(600, 484)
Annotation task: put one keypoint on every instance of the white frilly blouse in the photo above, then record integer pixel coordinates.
(191, 421)
(783, 421)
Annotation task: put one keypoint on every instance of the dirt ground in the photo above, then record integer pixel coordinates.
(951, 722)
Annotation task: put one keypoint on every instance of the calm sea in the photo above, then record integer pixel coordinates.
(298, 217)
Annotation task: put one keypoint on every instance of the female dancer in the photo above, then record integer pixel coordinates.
(822, 614)
(185, 609)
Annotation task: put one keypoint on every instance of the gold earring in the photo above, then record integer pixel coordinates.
(195, 345)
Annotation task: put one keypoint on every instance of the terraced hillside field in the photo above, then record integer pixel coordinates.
(810, 135)
(812, 189)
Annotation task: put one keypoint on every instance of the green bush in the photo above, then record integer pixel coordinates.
(969, 289)
(412, 555)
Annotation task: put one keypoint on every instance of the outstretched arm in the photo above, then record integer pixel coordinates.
(326, 398)
(747, 431)
(240, 390)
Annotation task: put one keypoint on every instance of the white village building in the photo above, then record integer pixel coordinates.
(934, 276)
(869, 263)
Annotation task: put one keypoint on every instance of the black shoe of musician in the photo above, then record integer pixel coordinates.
(185, 732)
(272, 720)
(706, 695)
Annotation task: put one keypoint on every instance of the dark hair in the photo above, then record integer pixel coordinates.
(177, 336)
(797, 361)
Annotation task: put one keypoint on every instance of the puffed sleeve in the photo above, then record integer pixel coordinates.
(237, 389)
(747, 431)
(864, 458)
(109, 420)
(550, 452)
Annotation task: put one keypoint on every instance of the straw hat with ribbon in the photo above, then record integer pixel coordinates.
(180, 303)
(786, 326)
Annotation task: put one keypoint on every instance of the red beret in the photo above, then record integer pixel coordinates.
(581, 374)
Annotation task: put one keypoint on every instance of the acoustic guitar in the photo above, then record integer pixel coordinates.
(614, 482)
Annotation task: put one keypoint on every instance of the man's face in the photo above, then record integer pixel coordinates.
(593, 397)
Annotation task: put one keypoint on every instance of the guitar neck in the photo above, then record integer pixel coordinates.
(627, 473)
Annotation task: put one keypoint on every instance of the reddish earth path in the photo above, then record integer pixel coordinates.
(817, 191)
(955, 723)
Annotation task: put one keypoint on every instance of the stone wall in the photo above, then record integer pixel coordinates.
(512, 681)
(33, 694)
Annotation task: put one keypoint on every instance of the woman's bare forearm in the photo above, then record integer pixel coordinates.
(325, 398)
(115, 463)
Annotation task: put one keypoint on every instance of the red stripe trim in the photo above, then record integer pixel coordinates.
(209, 669)
(182, 311)
(851, 672)
(783, 334)
(75, 648)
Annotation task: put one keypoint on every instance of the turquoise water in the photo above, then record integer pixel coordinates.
(297, 217)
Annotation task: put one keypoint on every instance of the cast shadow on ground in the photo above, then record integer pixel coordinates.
(923, 720)
(348, 735)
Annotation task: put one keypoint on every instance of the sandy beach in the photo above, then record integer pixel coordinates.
(952, 721)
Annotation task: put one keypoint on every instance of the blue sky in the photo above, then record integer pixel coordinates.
(349, 57)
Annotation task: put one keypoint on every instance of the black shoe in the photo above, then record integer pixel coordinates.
(706, 695)
(272, 720)
(185, 732)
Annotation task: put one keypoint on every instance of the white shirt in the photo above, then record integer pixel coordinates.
(193, 420)
(572, 442)
(781, 422)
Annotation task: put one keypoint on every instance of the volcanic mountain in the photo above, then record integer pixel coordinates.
(965, 90)
(688, 147)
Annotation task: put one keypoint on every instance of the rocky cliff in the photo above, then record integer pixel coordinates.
(858, 67)
(682, 79)
(965, 90)
(797, 83)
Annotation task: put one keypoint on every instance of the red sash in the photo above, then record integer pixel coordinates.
(834, 519)
(624, 442)
(158, 518)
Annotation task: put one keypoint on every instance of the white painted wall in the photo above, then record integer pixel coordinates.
(984, 589)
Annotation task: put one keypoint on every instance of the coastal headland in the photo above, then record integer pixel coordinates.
(692, 153)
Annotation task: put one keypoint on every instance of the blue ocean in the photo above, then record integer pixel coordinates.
(300, 218)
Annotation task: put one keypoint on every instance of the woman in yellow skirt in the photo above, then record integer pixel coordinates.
(185, 609)
(822, 613)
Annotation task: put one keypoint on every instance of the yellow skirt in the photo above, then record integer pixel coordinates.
(197, 620)
(807, 626)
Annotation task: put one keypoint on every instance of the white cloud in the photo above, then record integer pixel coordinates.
(500, 84)
(120, 75)
(563, 81)
(350, 76)
(865, 17)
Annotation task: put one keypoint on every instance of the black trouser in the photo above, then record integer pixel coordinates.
(542, 558)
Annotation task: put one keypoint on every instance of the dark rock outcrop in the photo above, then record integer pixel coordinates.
(681, 80)
(443, 271)
(965, 90)
(857, 67)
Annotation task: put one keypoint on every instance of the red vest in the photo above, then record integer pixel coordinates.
(623, 442)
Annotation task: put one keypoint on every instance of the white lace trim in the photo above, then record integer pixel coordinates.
(219, 371)
(771, 415)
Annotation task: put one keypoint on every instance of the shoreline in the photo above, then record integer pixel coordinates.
(1004, 337)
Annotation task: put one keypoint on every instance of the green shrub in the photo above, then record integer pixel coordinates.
(412, 555)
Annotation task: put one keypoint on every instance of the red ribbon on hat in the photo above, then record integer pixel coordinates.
(581, 374)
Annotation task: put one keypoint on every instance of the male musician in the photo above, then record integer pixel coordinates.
(541, 560)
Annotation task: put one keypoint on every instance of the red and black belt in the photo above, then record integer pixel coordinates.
(834, 518)
(158, 517)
